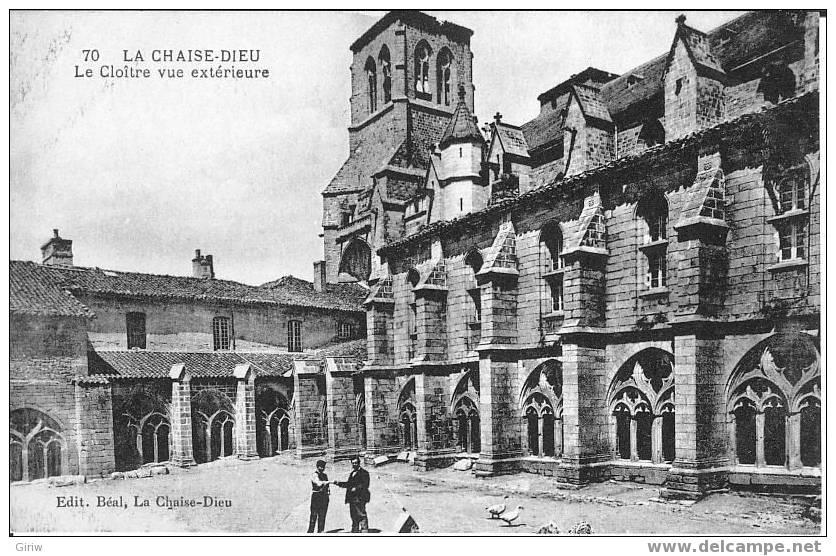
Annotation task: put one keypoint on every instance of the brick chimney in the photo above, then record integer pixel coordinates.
(57, 251)
(319, 280)
(202, 266)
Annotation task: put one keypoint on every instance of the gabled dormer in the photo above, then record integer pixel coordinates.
(507, 165)
(694, 83)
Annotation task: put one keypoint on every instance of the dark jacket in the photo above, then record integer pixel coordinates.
(357, 487)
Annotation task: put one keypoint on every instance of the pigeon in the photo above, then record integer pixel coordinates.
(497, 509)
(511, 516)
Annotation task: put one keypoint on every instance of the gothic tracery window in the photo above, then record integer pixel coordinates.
(542, 410)
(774, 402)
(643, 408)
(213, 423)
(37, 448)
(273, 422)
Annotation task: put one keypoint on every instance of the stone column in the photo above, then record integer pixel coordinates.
(760, 425)
(656, 439)
(702, 439)
(558, 437)
(245, 444)
(180, 451)
(343, 424)
(634, 446)
(311, 437)
(794, 440)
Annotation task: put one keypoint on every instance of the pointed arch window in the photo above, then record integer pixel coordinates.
(642, 408)
(542, 410)
(444, 63)
(37, 448)
(774, 404)
(422, 71)
(652, 213)
(371, 77)
(385, 62)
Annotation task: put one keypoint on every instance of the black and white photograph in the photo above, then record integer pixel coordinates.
(327, 274)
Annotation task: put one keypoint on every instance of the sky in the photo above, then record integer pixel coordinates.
(141, 172)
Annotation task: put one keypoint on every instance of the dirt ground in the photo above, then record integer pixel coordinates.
(272, 496)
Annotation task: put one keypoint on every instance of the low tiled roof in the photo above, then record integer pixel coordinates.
(105, 364)
(290, 290)
(33, 290)
(155, 364)
(43, 286)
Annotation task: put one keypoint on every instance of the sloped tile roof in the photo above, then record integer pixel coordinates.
(699, 47)
(513, 139)
(359, 165)
(290, 290)
(35, 282)
(151, 364)
(461, 126)
(33, 290)
(218, 364)
(622, 93)
(547, 127)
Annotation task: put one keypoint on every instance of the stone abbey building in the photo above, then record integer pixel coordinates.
(113, 371)
(626, 286)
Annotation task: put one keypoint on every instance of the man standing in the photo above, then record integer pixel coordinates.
(357, 495)
(319, 498)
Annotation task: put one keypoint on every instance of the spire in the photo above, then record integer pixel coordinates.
(462, 125)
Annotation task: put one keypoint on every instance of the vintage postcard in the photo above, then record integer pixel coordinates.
(445, 273)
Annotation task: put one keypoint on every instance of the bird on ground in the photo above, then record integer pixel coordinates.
(497, 509)
(511, 516)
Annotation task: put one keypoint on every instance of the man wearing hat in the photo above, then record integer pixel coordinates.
(357, 495)
(319, 498)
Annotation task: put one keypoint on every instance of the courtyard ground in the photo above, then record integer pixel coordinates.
(272, 495)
